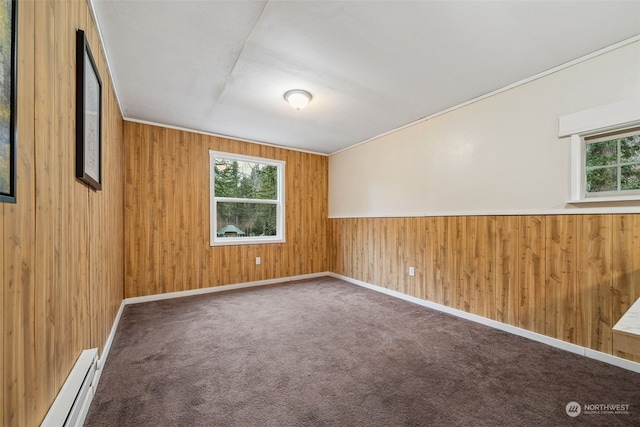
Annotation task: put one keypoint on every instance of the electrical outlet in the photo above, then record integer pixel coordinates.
(258, 260)
(412, 271)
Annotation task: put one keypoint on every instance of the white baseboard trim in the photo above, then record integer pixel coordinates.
(563, 345)
(107, 345)
(180, 294)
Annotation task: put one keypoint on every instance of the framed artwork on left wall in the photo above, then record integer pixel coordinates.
(8, 89)
(88, 115)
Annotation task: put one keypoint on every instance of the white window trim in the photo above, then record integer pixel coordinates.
(214, 240)
(612, 117)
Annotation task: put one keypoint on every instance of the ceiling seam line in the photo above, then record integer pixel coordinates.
(237, 58)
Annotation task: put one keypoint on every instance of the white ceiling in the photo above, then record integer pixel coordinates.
(222, 67)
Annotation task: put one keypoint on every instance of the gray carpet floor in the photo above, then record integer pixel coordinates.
(324, 352)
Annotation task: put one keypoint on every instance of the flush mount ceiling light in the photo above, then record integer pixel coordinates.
(298, 98)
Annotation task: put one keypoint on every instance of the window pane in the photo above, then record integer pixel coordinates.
(630, 178)
(602, 179)
(244, 179)
(602, 153)
(246, 219)
(630, 149)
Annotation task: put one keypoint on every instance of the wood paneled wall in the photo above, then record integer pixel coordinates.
(63, 256)
(167, 214)
(569, 277)
(62, 243)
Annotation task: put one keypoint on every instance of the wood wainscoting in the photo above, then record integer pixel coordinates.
(62, 242)
(167, 215)
(569, 277)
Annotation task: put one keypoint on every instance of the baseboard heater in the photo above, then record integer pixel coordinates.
(72, 403)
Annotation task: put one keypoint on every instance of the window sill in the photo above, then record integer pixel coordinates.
(611, 199)
(246, 241)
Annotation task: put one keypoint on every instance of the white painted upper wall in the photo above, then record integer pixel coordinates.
(499, 155)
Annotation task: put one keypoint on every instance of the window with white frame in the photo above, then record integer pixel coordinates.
(612, 164)
(605, 152)
(247, 199)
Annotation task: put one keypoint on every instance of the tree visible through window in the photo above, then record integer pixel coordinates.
(613, 163)
(246, 200)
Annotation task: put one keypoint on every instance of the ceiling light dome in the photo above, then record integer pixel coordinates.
(298, 98)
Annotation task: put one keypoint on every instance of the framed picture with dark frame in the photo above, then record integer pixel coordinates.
(8, 98)
(88, 116)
